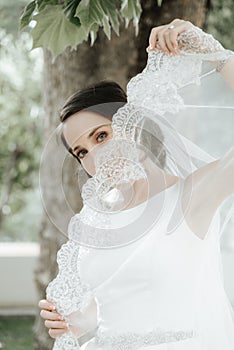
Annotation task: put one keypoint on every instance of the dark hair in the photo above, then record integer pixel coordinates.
(105, 98)
(97, 98)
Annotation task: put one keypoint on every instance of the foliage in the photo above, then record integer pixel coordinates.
(9, 15)
(220, 22)
(21, 127)
(70, 22)
(16, 327)
(62, 23)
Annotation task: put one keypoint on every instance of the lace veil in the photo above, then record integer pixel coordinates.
(147, 131)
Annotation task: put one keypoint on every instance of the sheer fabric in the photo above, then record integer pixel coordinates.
(144, 266)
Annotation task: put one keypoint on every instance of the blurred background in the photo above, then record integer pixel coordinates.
(33, 86)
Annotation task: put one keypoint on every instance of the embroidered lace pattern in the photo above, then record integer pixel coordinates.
(66, 341)
(156, 87)
(205, 45)
(93, 229)
(67, 291)
(133, 341)
(118, 160)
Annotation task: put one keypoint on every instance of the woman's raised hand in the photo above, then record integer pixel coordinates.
(164, 38)
(53, 320)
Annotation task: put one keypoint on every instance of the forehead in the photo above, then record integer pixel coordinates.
(78, 126)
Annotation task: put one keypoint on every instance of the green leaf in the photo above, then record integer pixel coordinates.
(27, 14)
(109, 6)
(54, 31)
(93, 33)
(41, 4)
(106, 26)
(70, 10)
(131, 9)
(101, 13)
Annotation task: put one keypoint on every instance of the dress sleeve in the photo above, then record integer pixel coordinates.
(69, 294)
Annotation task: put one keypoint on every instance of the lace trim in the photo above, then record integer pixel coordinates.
(117, 161)
(133, 341)
(156, 87)
(93, 229)
(67, 291)
(66, 341)
(195, 40)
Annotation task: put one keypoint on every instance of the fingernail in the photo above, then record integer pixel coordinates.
(60, 317)
(150, 46)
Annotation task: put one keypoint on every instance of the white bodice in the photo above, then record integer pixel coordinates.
(159, 281)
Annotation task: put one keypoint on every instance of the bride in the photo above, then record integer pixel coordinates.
(163, 291)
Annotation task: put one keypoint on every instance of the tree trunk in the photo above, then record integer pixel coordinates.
(154, 15)
(71, 71)
(118, 59)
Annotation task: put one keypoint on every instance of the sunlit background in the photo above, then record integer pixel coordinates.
(21, 134)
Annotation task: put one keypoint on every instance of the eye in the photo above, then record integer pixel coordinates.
(100, 136)
(80, 152)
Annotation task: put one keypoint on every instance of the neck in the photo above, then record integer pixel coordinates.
(157, 180)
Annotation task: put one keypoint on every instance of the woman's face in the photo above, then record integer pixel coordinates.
(83, 131)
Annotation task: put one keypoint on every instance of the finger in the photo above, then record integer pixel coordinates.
(168, 41)
(182, 27)
(45, 304)
(154, 36)
(173, 39)
(175, 32)
(56, 324)
(162, 42)
(54, 333)
(48, 315)
(177, 21)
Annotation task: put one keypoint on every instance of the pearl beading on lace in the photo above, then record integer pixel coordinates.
(133, 341)
(156, 87)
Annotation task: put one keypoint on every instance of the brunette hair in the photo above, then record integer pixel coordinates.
(97, 98)
(105, 98)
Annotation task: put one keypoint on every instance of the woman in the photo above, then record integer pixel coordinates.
(215, 176)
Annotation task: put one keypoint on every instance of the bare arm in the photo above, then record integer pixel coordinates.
(214, 183)
(227, 72)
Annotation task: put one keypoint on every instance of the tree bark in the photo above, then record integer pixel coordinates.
(118, 59)
(154, 15)
(71, 71)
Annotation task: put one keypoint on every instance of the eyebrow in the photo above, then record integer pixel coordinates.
(91, 134)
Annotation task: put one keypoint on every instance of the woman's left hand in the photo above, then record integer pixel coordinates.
(164, 38)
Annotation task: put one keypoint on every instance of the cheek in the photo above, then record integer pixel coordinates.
(89, 166)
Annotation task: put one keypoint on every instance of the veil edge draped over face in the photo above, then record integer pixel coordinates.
(168, 87)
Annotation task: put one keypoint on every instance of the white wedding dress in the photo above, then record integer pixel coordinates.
(160, 292)
(165, 289)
